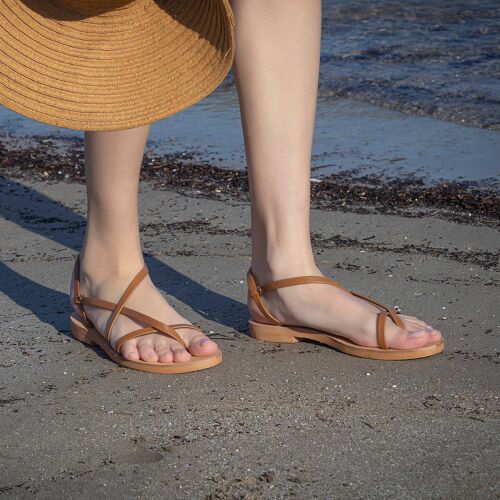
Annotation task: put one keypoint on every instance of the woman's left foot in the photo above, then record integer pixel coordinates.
(331, 309)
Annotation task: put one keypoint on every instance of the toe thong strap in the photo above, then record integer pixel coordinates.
(186, 325)
(391, 312)
(381, 321)
(381, 317)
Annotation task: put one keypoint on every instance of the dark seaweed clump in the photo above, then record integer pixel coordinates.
(52, 159)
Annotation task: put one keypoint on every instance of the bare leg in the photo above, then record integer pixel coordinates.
(276, 68)
(112, 255)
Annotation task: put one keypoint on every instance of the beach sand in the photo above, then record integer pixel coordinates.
(272, 421)
(405, 210)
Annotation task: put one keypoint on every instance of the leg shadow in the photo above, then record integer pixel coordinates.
(41, 215)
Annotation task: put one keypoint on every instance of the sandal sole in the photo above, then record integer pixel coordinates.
(90, 336)
(292, 334)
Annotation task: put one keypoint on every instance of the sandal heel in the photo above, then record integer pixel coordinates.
(80, 331)
(271, 333)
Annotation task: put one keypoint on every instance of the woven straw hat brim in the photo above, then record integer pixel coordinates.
(110, 65)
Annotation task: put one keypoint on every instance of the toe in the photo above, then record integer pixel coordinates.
(180, 354)
(162, 349)
(129, 351)
(435, 335)
(165, 355)
(405, 339)
(415, 322)
(147, 350)
(202, 346)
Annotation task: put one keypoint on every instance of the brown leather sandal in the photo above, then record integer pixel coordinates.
(279, 332)
(84, 330)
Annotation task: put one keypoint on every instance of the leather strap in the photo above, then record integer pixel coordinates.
(126, 294)
(299, 280)
(256, 293)
(76, 288)
(147, 330)
(156, 326)
(132, 335)
(137, 316)
(381, 317)
(187, 325)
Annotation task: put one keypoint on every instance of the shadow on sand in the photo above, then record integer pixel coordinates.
(43, 216)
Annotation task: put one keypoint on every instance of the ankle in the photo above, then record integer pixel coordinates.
(101, 264)
(266, 270)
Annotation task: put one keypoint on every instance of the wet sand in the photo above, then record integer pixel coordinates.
(55, 158)
(273, 421)
(351, 138)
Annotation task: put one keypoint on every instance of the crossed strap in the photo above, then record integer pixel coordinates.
(154, 325)
(256, 292)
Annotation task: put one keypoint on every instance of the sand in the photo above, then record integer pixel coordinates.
(272, 421)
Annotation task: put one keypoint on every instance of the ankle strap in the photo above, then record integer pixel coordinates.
(77, 299)
(256, 291)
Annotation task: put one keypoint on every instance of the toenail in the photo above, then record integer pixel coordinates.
(417, 334)
(205, 341)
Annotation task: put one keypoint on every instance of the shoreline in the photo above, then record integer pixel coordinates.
(49, 158)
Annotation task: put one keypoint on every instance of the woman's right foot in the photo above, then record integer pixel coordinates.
(147, 299)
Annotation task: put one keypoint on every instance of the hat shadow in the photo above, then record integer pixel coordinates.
(43, 216)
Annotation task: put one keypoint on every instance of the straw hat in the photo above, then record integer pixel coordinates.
(111, 64)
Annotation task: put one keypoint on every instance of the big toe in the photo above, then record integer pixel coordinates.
(405, 339)
(202, 346)
(435, 335)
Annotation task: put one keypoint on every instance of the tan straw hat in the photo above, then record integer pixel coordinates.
(111, 64)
